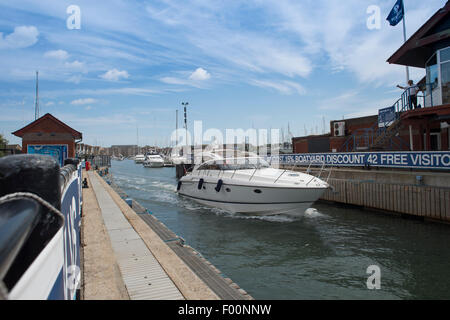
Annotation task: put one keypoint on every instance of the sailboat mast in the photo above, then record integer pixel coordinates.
(36, 106)
(176, 129)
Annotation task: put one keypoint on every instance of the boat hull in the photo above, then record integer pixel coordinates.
(252, 200)
(154, 164)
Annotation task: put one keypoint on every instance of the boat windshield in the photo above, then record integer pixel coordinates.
(235, 164)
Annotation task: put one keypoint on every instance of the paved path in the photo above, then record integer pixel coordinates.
(101, 275)
(143, 276)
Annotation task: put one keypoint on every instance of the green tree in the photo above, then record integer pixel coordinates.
(3, 144)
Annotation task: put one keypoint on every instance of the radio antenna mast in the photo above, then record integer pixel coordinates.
(36, 106)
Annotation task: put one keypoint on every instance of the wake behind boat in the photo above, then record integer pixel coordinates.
(250, 185)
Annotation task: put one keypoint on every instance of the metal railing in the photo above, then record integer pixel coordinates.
(366, 138)
(221, 172)
(405, 102)
(99, 161)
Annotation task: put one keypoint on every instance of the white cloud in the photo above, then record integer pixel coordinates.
(355, 103)
(74, 79)
(284, 87)
(200, 75)
(115, 75)
(241, 49)
(83, 101)
(326, 28)
(57, 54)
(173, 80)
(22, 37)
(74, 64)
(196, 79)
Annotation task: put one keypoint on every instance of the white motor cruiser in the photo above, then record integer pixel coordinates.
(140, 158)
(250, 185)
(154, 161)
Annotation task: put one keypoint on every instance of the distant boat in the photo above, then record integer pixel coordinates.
(140, 158)
(168, 161)
(118, 158)
(154, 161)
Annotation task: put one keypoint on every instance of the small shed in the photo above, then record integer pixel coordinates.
(50, 136)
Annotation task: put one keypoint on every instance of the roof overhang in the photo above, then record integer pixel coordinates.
(416, 51)
(29, 128)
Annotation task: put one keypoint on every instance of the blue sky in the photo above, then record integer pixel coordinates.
(239, 64)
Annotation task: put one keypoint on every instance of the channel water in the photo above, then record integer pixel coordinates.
(323, 255)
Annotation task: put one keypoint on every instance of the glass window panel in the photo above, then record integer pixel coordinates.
(445, 76)
(432, 74)
(445, 55)
(445, 72)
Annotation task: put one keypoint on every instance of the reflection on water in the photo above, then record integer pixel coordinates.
(322, 255)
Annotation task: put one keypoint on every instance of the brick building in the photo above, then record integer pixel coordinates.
(48, 135)
(124, 150)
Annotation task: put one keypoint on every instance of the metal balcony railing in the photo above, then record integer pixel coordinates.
(374, 136)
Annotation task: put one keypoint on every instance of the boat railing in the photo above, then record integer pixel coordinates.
(325, 169)
(256, 169)
(280, 176)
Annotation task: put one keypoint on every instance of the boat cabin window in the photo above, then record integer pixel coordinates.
(235, 164)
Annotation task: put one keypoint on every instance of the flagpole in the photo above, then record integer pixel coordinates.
(404, 38)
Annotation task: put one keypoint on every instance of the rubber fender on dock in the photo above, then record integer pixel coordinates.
(18, 219)
(200, 184)
(72, 161)
(179, 185)
(37, 174)
(26, 227)
(219, 185)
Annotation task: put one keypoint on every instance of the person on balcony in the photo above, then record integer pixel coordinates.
(412, 91)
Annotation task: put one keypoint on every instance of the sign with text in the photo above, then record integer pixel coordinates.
(418, 160)
(386, 117)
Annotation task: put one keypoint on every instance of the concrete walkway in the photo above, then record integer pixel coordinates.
(142, 275)
(101, 275)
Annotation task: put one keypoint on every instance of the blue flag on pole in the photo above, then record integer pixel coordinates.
(396, 14)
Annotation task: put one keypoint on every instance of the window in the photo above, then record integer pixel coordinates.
(445, 55)
(445, 80)
(435, 141)
(432, 73)
(235, 164)
(445, 72)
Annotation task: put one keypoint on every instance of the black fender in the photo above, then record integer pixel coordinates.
(219, 185)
